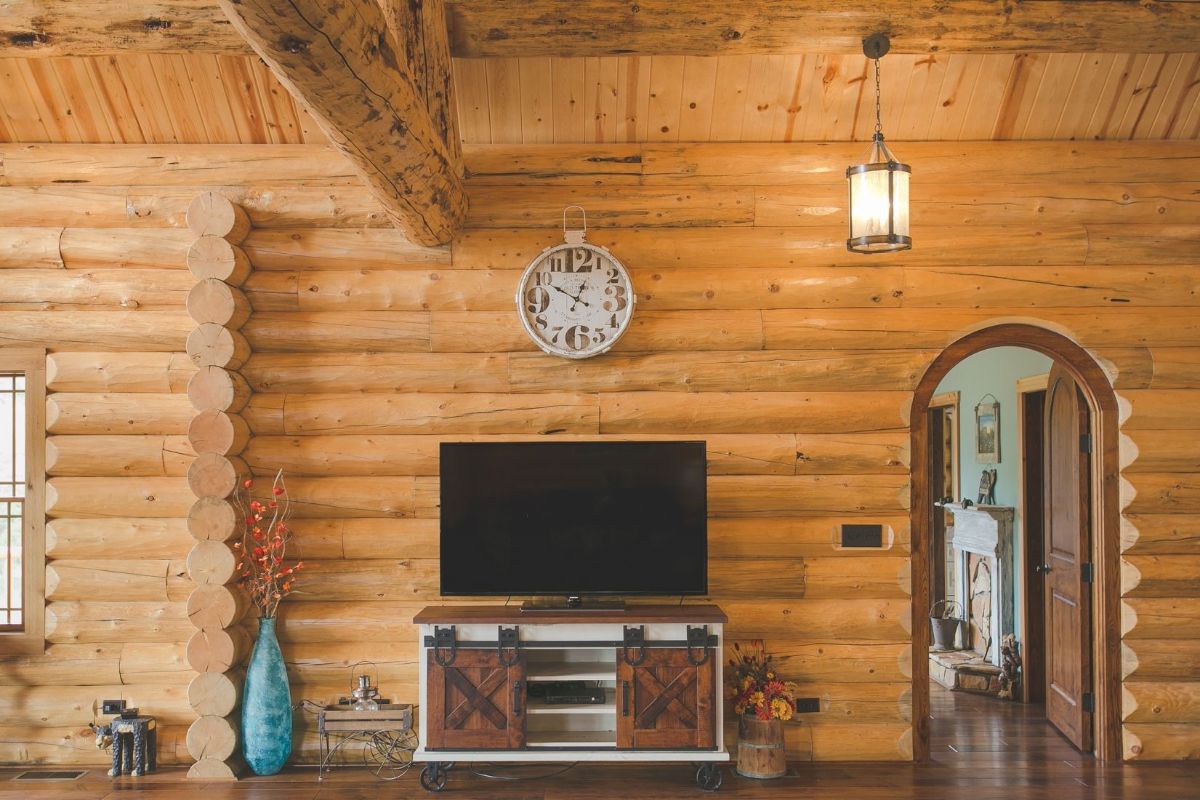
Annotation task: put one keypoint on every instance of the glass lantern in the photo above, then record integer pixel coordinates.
(878, 202)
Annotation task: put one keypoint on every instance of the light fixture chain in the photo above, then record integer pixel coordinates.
(878, 120)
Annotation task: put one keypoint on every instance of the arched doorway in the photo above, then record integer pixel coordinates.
(1105, 510)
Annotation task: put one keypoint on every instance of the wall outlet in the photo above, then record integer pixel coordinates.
(112, 706)
(808, 705)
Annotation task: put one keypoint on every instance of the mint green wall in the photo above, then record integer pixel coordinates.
(996, 371)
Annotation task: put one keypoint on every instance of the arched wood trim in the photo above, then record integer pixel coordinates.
(1106, 626)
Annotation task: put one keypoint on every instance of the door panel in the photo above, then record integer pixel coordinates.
(476, 703)
(666, 703)
(1067, 547)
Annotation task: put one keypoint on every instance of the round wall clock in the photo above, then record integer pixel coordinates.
(575, 300)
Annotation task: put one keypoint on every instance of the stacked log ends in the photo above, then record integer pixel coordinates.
(212, 214)
(217, 434)
(212, 345)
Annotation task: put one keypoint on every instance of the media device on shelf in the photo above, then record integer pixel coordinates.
(574, 519)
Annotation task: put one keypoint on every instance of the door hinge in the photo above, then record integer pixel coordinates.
(1089, 702)
(1085, 443)
(1087, 572)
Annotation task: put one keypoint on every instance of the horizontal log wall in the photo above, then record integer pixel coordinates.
(116, 575)
(756, 330)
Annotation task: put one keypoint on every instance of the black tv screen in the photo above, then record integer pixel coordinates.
(574, 518)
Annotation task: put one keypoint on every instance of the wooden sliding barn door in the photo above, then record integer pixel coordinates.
(476, 703)
(1066, 560)
(665, 702)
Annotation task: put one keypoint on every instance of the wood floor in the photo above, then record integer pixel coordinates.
(982, 750)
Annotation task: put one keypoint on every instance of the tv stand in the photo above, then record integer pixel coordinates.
(574, 604)
(659, 667)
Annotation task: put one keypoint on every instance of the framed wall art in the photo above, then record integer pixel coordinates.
(987, 431)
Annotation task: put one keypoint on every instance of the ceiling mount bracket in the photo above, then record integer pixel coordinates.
(876, 45)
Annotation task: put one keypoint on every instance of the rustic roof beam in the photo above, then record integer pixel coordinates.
(340, 61)
(486, 28)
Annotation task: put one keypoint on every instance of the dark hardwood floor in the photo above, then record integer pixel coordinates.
(982, 750)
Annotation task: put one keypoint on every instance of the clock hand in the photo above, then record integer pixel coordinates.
(577, 297)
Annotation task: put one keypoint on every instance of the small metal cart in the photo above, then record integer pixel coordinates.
(386, 733)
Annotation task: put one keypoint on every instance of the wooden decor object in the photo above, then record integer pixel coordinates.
(217, 434)
(340, 62)
(760, 748)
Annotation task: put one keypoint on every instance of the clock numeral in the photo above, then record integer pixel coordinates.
(600, 337)
(540, 321)
(576, 337)
(556, 330)
(537, 299)
(542, 279)
(612, 323)
(618, 295)
(613, 275)
(583, 259)
(561, 262)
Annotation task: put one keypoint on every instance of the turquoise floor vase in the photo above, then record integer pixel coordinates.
(266, 705)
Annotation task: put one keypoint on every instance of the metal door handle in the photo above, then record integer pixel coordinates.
(516, 698)
(1042, 569)
(625, 698)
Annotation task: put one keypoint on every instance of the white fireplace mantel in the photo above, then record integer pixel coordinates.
(987, 531)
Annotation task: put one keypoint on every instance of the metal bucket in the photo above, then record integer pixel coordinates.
(945, 624)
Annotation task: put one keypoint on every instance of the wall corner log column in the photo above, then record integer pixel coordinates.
(341, 62)
(218, 434)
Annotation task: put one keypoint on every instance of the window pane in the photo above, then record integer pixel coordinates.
(12, 490)
(18, 422)
(8, 442)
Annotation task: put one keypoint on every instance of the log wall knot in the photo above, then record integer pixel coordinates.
(293, 44)
(28, 39)
(156, 24)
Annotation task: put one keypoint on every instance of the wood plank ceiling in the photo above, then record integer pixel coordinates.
(211, 98)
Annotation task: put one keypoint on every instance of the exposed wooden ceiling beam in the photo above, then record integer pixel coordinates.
(339, 60)
(482, 28)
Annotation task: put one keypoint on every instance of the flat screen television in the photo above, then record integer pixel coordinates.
(574, 518)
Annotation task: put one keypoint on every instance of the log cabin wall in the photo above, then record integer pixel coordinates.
(755, 330)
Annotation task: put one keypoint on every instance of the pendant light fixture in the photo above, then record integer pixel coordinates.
(879, 187)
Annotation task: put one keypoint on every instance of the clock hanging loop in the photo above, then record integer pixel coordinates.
(574, 235)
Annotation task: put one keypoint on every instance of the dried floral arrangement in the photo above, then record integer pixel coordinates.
(755, 687)
(262, 573)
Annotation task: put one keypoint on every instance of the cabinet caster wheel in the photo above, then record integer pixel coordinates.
(709, 777)
(433, 777)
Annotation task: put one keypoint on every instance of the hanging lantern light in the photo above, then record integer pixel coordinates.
(879, 187)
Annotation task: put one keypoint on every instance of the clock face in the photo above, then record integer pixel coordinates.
(575, 300)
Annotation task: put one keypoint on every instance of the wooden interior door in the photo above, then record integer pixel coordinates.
(1067, 552)
(475, 703)
(1033, 543)
(943, 472)
(666, 703)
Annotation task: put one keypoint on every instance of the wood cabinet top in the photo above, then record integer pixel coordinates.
(513, 615)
